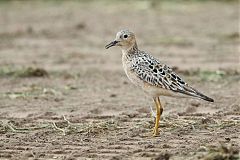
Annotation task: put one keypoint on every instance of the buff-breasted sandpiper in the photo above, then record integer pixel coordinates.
(148, 73)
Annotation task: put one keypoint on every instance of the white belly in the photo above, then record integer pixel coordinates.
(132, 77)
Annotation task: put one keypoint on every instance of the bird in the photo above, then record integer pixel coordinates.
(151, 75)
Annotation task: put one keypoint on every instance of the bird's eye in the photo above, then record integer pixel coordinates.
(125, 36)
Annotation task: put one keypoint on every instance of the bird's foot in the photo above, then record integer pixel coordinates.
(155, 132)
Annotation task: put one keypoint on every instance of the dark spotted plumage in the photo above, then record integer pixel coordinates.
(153, 72)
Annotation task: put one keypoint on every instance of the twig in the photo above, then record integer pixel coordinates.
(14, 129)
(70, 124)
(57, 128)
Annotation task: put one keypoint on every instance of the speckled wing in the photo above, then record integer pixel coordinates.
(151, 71)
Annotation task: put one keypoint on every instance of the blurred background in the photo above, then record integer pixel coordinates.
(46, 32)
(53, 63)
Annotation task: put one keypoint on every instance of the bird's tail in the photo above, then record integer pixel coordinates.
(193, 92)
(206, 98)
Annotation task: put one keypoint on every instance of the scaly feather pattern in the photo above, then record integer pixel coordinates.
(153, 72)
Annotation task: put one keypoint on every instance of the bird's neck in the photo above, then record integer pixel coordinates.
(133, 49)
(129, 53)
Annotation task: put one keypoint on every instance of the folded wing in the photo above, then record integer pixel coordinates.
(153, 72)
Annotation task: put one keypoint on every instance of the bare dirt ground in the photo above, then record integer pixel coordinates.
(63, 96)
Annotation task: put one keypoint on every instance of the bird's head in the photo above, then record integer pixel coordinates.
(124, 38)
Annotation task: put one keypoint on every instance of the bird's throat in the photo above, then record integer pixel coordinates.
(131, 49)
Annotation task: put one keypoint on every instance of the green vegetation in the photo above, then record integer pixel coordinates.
(65, 127)
(33, 91)
(23, 72)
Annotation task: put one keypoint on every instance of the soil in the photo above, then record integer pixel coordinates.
(63, 96)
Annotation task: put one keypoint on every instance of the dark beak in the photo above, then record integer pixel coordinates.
(113, 43)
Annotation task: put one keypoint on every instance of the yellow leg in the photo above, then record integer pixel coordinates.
(160, 106)
(159, 111)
